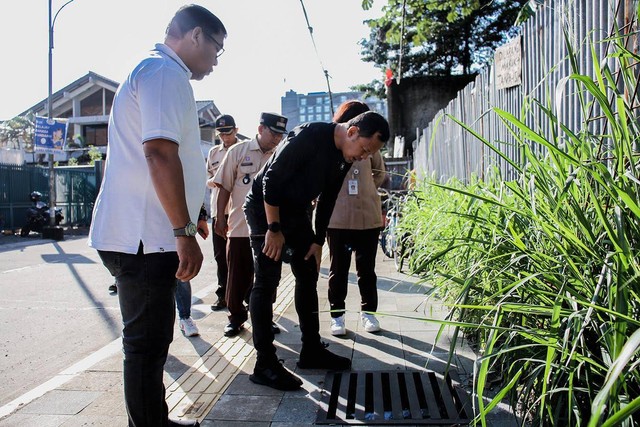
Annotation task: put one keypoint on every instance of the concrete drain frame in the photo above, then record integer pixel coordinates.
(394, 398)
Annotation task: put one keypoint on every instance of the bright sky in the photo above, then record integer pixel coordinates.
(268, 49)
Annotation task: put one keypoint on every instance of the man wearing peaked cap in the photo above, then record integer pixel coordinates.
(225, 123)
(275, 122)
(225, 130)
(234, 179)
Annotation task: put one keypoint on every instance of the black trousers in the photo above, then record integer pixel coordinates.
(220, 255)
(146, 289)
(364, 243)
(299, 237)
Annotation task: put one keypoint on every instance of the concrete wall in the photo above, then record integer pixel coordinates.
(415, 101)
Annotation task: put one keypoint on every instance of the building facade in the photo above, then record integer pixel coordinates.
(317, 106)
(86, 104)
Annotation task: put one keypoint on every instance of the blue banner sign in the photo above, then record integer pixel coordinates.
(50, 134)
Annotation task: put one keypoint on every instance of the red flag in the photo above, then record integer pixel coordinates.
(388, 77)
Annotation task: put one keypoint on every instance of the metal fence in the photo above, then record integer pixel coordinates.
(447, 150)
(76, 191)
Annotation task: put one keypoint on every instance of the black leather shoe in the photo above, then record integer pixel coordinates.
(274, 328)
(318, 357)
(113, 289)
(190, 423)
(221, 304)
(276, 377)
(231, 330)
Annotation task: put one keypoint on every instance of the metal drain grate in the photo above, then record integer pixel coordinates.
(393, 397)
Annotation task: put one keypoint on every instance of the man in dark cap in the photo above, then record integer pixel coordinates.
(234, 179)
(226, 130)
(309, 164)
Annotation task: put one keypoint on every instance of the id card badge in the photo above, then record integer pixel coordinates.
(353, 187)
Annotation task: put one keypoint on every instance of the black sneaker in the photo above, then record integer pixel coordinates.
(231, 330)
(221, 304)
(277, 377)
(275, 328)
(321, 358)
(113, 289)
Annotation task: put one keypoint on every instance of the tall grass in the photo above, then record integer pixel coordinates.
(547, 265)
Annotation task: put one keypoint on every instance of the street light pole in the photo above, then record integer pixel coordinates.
(52, 185)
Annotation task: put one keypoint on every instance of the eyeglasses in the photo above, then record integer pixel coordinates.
(218, 45)
(229, 132)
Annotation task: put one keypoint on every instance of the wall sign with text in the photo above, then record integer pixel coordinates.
(508, 64)
(50, 134)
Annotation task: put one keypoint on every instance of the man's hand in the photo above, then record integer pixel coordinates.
(221, 227)
(190, 257)
(273, 243)
(315, 250)
(203, 228)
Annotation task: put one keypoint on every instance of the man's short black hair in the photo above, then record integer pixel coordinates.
(369, 123)
(191, 16)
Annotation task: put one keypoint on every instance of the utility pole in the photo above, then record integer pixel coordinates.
(53, 232)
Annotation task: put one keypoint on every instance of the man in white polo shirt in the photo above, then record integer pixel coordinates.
(151, 193)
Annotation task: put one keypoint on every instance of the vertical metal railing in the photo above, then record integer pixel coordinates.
(445, 150)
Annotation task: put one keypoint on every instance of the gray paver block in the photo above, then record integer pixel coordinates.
(245, 408)
(93, 381)
(111, 403)
(95, 420)
(61, 402)
(110, 364)
(241, 385)
(228, 423)
(373, 364)
(22, 420)
(296, 410)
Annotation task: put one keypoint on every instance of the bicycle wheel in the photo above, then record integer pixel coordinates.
(387, 243)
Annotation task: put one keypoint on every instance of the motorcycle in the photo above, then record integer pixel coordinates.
(38, 215)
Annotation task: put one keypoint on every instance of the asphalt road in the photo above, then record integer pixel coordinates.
(55, 308)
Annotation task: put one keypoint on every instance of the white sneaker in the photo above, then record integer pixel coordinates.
(337, 326)
(188, 327)
(370, 323)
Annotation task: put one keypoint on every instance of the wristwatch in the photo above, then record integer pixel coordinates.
(274, 227)
(189, 230)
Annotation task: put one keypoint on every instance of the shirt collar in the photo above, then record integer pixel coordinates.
(254, 146)
(166, 50)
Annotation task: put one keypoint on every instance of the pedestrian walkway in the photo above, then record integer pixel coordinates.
(207, 377)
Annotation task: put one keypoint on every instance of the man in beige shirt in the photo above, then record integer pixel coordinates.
(226, 130)
(234, 179)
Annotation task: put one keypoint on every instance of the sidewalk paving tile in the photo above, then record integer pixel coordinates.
(61, 402)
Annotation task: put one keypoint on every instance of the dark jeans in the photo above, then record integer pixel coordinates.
(365, 245)
(146, 289)
(220, 255)
(267, 277)
(183, 299)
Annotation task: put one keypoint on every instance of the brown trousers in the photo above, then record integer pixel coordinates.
(239, 279)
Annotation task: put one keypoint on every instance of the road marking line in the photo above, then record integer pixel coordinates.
(74, 370)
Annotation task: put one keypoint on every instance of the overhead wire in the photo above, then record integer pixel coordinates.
(313, 41)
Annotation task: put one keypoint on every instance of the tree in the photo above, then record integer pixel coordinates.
(440, 37)
(17, 133)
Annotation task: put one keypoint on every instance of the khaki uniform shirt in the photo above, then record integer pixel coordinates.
(214, 159)
(241, 164)
(358, 204)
